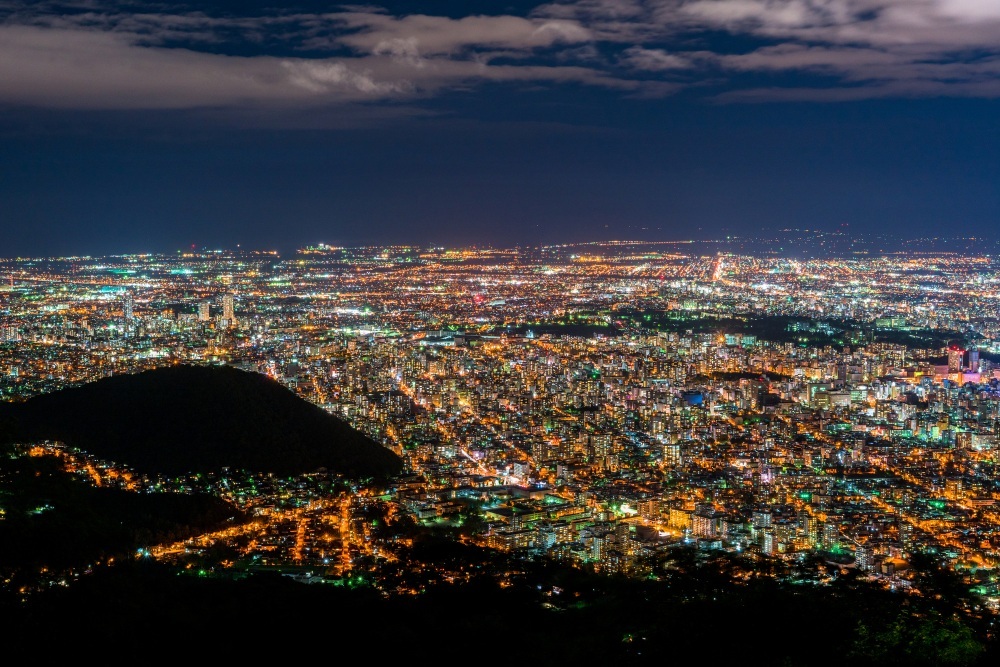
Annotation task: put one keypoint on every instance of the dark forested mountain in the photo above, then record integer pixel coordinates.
(197, 419)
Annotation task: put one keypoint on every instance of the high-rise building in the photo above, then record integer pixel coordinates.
(829, 535)
(973, 361)
(769, 544)
(672, 455)
(761, 519)
(864, 557)
(128, 304)
(955, 357)
(204, 311)
(703, 521)
(906, 535)
(228, 311)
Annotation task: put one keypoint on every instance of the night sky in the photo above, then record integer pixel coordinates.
(130, 127)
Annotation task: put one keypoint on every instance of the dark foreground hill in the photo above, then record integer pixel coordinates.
(139, 607)
(183, 419)
(53, 519)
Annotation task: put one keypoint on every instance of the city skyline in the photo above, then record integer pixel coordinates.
(128, 128)
(564, 424)
(792, 244)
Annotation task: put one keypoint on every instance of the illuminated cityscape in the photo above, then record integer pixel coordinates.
(582, 332)
(596, 404)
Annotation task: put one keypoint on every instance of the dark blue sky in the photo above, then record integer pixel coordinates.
(125, 128)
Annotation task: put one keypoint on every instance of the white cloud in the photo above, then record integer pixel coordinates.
(406, 50)
(797, 56)
(790, 13)
(100, 57)
(325, 77)
(84, 69)
(905, 47)
(654, 60)
(437, 35)
(75, 68)
(968, 10)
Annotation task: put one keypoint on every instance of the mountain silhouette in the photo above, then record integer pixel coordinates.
(183, 419)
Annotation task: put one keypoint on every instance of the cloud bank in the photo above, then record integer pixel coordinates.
(98, 57)
(865, 48)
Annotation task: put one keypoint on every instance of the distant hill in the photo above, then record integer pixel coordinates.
(183, 419)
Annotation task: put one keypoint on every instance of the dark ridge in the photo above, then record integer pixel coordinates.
(183, 419)
(571, 617)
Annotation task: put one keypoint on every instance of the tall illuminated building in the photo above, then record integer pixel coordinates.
(973, 361)
(955, 358)
(204, 311)
(864, 557)
(227, 308)
(128, 305)
(672, 455)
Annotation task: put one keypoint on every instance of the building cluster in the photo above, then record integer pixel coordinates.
(597, 404)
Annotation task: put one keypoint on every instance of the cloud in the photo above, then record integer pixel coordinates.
(74, 68)
(794, 13)
(83, 69)
(404, 49)
(653, 60)
(864, 47)
(91, 54)
(850, 62)
(626, 21)
(436, 35)
(942, 22)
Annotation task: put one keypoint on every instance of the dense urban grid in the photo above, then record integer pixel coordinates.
(596, 404)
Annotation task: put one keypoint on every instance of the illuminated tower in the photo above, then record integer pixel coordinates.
(955, 357)
(204, 311)
(227, 309)
(128, 304)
